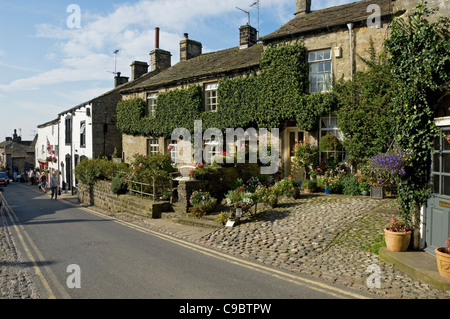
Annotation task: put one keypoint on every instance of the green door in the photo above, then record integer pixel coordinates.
(437, 219)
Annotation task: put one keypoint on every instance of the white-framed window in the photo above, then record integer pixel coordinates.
(320, 79)
(151, 104)
(83, 134)
(213, 148)
(211, 97)
(152, 147)
(329, 126)
(172, 147)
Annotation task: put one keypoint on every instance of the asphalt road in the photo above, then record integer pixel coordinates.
(77, 253)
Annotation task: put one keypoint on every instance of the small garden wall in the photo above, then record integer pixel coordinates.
(101, 196)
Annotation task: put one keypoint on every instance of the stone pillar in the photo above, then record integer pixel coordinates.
(185, 189)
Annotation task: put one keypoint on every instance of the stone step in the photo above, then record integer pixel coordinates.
(206, 221)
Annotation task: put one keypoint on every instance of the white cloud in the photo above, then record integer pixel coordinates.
(86, 54)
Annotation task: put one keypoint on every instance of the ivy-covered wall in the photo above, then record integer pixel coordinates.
(266, 100)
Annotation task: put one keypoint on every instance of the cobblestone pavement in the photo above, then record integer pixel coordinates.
(326, 237)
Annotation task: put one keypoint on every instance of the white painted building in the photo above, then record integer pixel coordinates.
(47, 145)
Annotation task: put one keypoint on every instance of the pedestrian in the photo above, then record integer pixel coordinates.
(54, 184)
(43, 182)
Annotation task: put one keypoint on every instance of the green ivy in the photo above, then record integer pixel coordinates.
(419, 62)
(265, 100)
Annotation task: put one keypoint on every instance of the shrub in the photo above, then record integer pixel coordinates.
(118, 185)
(288, 187)
(222, 218)
(310, 184)
(202, 203)
(146, 168)
(90, 170)
(350, 186)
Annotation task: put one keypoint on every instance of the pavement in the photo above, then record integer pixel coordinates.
(335, 238)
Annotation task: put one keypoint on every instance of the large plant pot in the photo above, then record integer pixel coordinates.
(377, 192)
(443, 262)
(397, 241)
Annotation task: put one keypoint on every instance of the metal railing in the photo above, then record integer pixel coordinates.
(157, 190)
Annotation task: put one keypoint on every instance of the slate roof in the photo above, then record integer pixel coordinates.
(219, 63)
(329, 17)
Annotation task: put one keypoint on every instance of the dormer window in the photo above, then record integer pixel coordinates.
(211, 97)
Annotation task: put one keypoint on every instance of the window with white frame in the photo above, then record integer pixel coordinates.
(83, 134)
(151, 104)
(152, 147)
(329, 126)
(211, 97)
(213, 148)
(172, 147)
(320, 78)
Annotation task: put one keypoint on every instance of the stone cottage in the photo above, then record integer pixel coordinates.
(333, 37)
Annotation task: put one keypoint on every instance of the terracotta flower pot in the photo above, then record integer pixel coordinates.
(443, 262)
(397, 241)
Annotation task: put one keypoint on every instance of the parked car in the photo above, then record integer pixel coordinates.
(4, 179)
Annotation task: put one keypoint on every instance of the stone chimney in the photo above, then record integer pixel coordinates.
(248, 36)
(189, 48)
(161, 59)
(138, 69)
(119, 80)
(303, 7)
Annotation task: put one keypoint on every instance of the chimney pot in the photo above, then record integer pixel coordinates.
(186, 35)
(156, 38)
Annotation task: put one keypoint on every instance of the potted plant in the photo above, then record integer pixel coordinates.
(364, 186)
(397, 236)
(443, 259)
(385, 170)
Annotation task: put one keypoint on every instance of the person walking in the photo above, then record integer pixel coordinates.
(43, 182)
(54, 184)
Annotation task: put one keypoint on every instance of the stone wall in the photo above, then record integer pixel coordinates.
(102, 197)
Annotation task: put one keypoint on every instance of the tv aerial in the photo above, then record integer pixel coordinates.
(248, 13)
(115, 63)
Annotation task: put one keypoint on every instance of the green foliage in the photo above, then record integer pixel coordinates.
(118, 185)
(90, 170)
(366, 112)
(419, 62)
(266, 100)
(310, 184)
(149, 169)
(330, 143)
(201, 203)
(350, 185)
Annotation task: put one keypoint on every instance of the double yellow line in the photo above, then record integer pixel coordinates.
(31, 248)
(282, 275)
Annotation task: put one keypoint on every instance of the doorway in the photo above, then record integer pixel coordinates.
(292, 137)
(437, 217)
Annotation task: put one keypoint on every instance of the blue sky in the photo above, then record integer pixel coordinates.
(47, 67)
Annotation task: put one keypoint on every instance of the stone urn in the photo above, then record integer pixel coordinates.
(397, 241)
(443, 261)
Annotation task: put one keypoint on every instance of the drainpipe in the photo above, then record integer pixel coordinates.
(350, 30)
